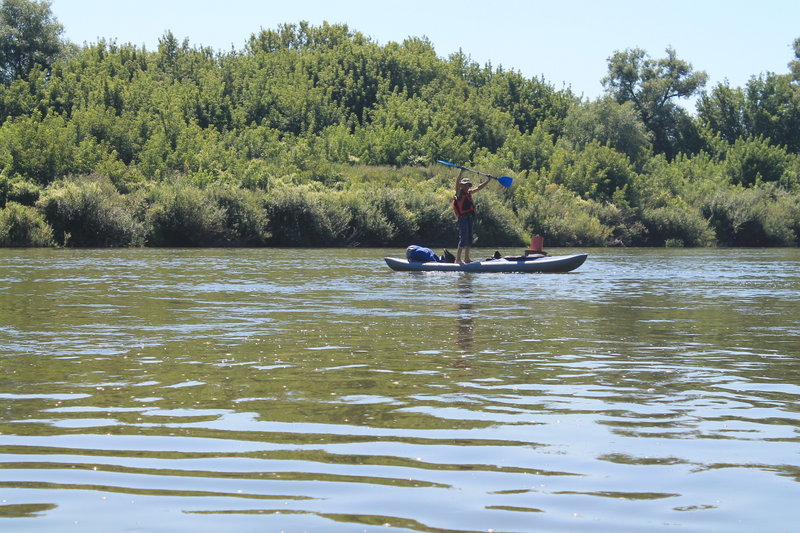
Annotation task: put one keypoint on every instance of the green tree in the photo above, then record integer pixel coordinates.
(772, 109)
(653, 85)
(528, 151)
(723, 111)
(794, 65)
(768, 106)
(529, 102)
(29, 36)
(754, 160)
(597, 172)
(610, 123)
(44, 149)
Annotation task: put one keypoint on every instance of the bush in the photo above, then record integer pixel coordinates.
(497, 224)
(394, 205)
(183, 215)
(19, 191)
(434, 220)
(22, 225)
(403, 215)
(299, 216)
(763, 216)
(90, 212)
(245, 218)
(752, 161)
(563, 219)
(626, 228)
(378, 216)
(676, 225)
(596, 172)
(367, 218)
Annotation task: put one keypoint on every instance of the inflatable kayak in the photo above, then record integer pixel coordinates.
(563, 263)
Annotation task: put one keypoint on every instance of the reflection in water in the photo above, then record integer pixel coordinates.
(465, 314)
(212, 390)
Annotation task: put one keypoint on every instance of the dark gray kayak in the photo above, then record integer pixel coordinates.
(563, 263)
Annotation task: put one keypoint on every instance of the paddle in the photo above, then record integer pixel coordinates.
(505, 181)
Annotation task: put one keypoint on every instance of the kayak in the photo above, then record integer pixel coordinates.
(562, 263)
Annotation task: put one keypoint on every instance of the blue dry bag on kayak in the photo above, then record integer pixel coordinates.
(421, 254)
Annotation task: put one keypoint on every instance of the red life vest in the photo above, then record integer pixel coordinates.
(463, 204)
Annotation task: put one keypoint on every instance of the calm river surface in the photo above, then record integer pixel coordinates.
(246, 390)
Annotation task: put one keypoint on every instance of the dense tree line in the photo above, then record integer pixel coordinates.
(320, 136)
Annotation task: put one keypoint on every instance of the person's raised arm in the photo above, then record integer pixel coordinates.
(480, 186)
(458, 180)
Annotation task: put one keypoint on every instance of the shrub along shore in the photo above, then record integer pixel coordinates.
(319, 136)
(405, 206)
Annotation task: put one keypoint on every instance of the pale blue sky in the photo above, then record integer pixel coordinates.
(566, 42)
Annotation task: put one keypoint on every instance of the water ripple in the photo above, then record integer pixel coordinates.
(211, 390)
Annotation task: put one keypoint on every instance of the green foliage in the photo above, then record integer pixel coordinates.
(596, 172)
(529, 102)
(245, 219)
(22, 225)
(29, 36)
(44, 149)
(90, 213)
(497, 224)
(609, 123)
(320, 136)
(752, 161)
(562, 218)
(723, 112)
(18, 190)
(760, 216)
(652, 85)
(767, 107)
(668, 226)
(300, 216)
(794, 65)
(772, 110)
(181, 214)
(528, 151)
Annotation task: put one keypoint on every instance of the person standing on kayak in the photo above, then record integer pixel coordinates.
(465, 212)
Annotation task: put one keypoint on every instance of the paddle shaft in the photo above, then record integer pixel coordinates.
(505, 181)
(465, 168)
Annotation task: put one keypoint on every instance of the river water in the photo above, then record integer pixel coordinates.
(316, 390)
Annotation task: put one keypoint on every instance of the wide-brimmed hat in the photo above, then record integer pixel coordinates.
(466, 181)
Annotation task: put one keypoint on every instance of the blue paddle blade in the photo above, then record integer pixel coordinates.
(505, 181)
(448, 164)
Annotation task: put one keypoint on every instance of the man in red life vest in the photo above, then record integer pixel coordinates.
(465, 212)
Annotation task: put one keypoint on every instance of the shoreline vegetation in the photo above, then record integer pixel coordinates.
(318, 136)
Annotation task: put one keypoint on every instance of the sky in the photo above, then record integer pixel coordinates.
(567, 43)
